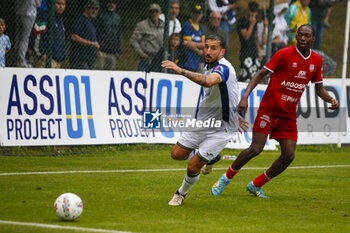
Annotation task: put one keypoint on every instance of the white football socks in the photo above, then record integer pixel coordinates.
(187, 183)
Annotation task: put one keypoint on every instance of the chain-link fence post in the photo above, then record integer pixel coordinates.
(50, 31)
(269, 34)
(166, 31)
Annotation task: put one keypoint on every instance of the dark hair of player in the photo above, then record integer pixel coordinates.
(309, 26)
(217, 37)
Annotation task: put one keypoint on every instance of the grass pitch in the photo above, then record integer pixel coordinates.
(120, 197)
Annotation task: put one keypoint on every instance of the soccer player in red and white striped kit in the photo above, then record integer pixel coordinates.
(291, 70)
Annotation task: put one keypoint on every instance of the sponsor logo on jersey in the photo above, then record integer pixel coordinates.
(301, 74)
(196, 38)
(294, 85)
(289, 98)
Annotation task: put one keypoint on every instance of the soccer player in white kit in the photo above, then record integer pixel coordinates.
(220, 101)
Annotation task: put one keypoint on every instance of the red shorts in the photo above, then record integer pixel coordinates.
(277, 127)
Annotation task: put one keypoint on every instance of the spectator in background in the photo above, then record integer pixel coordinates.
(26, 11)
(84, 39)
(326, 19)
(227, 10)
(43, 6)
(147, 39)
(39, 38)
(193, 38)
(279, 40)
(108, 28)
(319, 9)
(177, 52)
(298, 14)
(250, 54)
(280, 22)
(262, 33)
(174, 23)
(5, 44)
(212, 26)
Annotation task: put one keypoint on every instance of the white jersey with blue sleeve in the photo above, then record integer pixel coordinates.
(220, 101)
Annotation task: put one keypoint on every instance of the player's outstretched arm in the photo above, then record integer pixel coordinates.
(243, 103)
(321, 92)
(201, 79)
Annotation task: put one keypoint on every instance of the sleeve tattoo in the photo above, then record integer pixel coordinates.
(201, 79)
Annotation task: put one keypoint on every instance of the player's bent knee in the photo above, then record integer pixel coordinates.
(175, 155)
(178, 155)
(193, 170)
(291, 157)
(288, 159)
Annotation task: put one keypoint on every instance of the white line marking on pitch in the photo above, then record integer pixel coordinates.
(59, 227)
(156, 170)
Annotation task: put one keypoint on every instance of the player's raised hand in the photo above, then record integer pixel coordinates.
(171, 66)
(334, 104)
(242, 106)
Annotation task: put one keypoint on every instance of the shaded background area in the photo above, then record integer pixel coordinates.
(132, 11)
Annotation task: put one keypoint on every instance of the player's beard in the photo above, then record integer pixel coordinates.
(212, 61)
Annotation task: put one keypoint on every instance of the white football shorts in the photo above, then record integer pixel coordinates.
(209, 142)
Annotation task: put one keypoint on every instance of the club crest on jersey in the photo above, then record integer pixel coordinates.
(262, 124)
(295, 65)
(265, 117)
(312, 67)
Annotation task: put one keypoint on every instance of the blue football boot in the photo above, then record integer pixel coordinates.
(219, 186)
(257, 191)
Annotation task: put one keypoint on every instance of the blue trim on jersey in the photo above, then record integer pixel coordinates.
(222, 70)
(225, 103)
(224, 73)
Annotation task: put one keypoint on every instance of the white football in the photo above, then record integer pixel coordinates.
(68, 206)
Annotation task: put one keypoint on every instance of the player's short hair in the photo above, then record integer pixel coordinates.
(309, 26)
(253, 6)
(217, 37)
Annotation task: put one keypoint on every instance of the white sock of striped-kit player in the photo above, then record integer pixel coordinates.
(187, 183)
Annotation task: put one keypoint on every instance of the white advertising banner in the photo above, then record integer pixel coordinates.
(319, 125)
(81, 107)
(71, 107)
